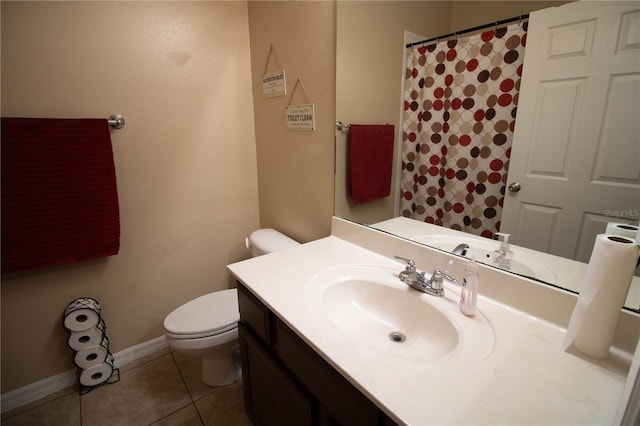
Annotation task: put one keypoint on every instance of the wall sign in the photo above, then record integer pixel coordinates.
(274, 84)
(301, 117)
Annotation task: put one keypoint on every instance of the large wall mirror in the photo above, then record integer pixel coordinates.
(370, 70)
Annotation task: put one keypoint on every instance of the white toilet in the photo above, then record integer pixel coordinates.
(207, 326)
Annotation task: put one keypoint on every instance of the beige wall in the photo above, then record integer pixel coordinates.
(469, 14)
(185, 161)
(295, 168)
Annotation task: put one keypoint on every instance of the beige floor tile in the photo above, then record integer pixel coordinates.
(224, 407)
(41, 401)
(150, 390)
(63, 411)
(191, 370)
(188, 416)
(143, 395)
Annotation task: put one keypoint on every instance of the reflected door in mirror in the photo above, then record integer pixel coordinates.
(576, 152)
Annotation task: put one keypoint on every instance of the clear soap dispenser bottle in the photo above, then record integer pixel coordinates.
(502, 257)
(469, 293)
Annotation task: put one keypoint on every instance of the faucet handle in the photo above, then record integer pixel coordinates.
(411, 265)
(438, 276)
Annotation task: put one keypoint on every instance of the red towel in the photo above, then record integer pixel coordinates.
(59, 195)
(370, 161)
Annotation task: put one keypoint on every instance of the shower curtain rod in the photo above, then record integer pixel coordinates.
(469, 30)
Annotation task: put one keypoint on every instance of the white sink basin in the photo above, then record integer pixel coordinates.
(371, 307)
(483, 248)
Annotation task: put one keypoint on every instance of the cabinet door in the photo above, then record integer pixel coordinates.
(270, 396)
(341, 403)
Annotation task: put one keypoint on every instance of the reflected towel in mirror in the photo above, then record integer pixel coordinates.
(370, 161)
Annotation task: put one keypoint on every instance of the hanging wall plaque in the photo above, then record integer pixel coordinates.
(275, 83)
(303, 116)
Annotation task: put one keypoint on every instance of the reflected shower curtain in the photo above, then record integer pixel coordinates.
(459, 117)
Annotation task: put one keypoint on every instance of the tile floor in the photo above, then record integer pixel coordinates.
(163, 389)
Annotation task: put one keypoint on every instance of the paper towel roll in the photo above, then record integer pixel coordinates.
(90, 357)
(95, 375)
(622, 229)
(602, 295)
(82, 314)
(80, 340)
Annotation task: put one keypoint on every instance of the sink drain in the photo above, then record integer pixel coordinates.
(397, 337)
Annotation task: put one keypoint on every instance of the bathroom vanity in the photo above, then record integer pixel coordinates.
(329, 335)
(286, 382)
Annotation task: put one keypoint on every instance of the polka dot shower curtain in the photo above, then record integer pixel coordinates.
(459, 116)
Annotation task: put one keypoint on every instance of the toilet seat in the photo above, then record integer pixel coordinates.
(209, 315)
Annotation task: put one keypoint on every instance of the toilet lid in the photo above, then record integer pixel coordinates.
(207, 315)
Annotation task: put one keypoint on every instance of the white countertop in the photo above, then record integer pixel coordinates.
(527, 379)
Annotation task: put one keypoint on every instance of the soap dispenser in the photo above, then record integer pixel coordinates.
(469, 293)
(502, 257)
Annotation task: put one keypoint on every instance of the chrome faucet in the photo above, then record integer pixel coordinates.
(461, 249)
(418, 281)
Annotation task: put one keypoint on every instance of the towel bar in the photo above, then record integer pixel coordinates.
(116, 121)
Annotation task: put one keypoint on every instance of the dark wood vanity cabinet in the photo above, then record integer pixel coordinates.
(286, 382)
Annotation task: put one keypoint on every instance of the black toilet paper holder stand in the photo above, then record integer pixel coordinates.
(83, 374)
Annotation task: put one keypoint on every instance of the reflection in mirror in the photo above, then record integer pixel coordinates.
(370, 87)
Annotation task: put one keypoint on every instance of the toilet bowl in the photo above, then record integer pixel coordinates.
(207, 327)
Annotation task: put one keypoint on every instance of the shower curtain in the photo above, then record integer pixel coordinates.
(460, 107)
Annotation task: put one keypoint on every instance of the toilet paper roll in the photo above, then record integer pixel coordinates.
(95, 375)
(622, 229)
(82, 314)
(80, 340)
(93, 356)
(602, 295)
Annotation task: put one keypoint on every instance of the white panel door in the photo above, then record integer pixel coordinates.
(576, 146)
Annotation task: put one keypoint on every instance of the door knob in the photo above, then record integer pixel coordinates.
(515, 187)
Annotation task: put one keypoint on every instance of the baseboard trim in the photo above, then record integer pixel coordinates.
(134, 353)
(34, 391)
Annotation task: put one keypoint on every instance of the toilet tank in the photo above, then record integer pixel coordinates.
(267, 240)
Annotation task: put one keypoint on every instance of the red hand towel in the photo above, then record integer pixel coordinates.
(59, 195)
(370, 161)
